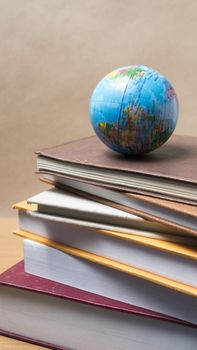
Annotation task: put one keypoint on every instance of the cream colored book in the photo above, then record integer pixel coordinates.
(73, 205)
(56, 226)
(66, 204)
(178, 217)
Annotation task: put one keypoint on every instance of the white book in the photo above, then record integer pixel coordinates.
(28, 222)
(149, 210)
(58, 266)
(159, 258)
(63, 203)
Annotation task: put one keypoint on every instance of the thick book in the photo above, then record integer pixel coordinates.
(176, 216)
(53, 264)
(114, 264)
(169, 172)
(61, 317)
(174, 261)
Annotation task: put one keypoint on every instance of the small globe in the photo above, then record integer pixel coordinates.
(134, 110)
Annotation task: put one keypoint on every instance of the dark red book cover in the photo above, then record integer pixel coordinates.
(16, 277)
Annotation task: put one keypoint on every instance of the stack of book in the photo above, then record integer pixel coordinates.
(109, 251)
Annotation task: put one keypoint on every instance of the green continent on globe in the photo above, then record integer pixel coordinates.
(134, 110)
(131, 72)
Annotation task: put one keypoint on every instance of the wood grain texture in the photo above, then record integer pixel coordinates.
(11, 251)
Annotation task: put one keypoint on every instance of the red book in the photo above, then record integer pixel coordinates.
(57, 316)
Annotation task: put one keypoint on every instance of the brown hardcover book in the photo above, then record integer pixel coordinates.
(180, 207)
(168, 172)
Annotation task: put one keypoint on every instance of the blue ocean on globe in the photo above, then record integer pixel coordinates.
(134, 110)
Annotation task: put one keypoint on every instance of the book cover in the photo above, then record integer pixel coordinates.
(175, 160)
(16, 277)
(176, 216)
(155, 278)
(135, 322)
(178, 248)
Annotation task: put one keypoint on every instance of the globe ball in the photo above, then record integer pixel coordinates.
(134, 110)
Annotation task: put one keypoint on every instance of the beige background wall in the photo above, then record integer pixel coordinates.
(53, 53)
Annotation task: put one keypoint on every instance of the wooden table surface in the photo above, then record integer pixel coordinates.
(11, 251)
